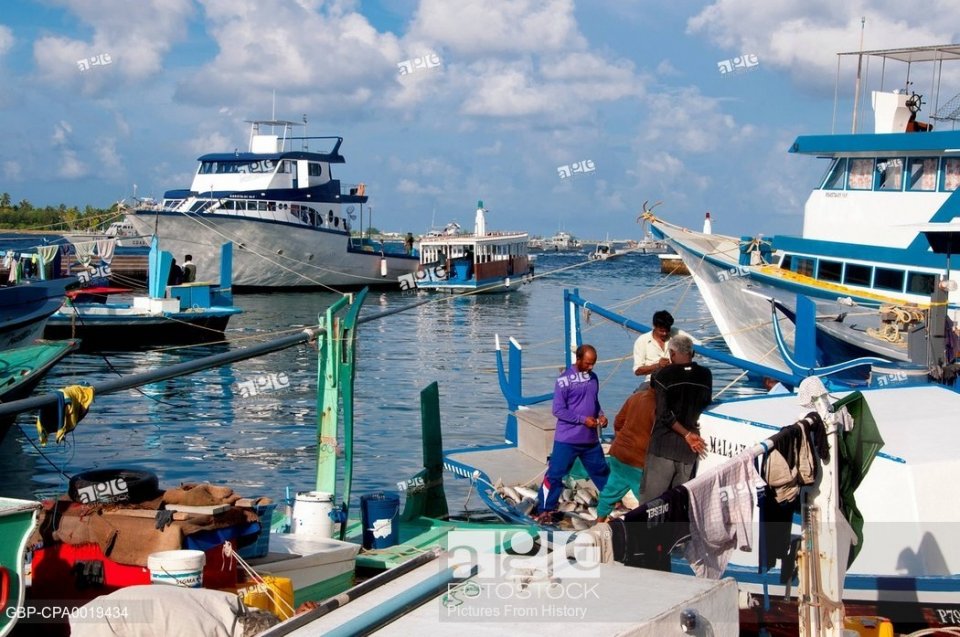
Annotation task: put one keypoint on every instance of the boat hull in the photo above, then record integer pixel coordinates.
(25, 308)
(271, 254)
(127, 332)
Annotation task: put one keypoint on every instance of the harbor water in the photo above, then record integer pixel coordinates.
(252, 425)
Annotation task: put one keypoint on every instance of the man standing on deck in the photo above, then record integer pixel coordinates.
(579, 419)
(189, 270)
(650, 349)
(683, 389)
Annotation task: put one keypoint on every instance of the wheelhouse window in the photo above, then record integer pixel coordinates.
(888, 279)
(951, 174)
(856, 274)
(920, 282)
(804, 265)
(838, 171)
(830, 271)
(861, 174)
(890, 174)
(316, 170)
(922, 174)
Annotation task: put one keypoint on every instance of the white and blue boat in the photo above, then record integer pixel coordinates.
(290, 219)
(183, 313)
(863, 233)
(482, 262)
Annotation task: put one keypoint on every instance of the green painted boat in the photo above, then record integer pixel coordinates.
(17, 520)
(21, 368)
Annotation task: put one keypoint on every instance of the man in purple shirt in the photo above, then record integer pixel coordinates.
(579, 418)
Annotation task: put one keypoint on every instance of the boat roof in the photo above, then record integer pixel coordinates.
(872, 144)
(470, 239)
(912, 54)
(333, 157)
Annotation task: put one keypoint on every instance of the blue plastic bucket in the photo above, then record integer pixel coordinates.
(380, 517)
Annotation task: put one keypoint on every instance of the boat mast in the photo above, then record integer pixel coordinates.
(856, 93)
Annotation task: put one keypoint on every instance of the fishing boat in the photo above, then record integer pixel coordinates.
(482, 262)
(606, 250)
(31, 293)
(290, 219)
(181, 313)
(863, 232)
(21, 368)
(906, 568)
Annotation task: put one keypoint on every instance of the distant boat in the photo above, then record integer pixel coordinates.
(479, 262)
(289, 218)
(563, 241)
(650, 245)
(187, 313)
(605, 251)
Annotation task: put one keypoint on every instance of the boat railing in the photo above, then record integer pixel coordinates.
(354, 190)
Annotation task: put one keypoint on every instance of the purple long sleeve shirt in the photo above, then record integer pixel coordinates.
(575, 398)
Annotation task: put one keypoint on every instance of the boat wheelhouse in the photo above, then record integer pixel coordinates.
(291, 220)
(862, 239)
(479, 262)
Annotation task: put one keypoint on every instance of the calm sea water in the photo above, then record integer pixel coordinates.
(200, 427)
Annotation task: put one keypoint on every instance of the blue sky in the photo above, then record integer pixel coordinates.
(523, 88)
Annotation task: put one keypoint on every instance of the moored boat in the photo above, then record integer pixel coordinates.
(482, 262)
(290, 219)
(863, 235)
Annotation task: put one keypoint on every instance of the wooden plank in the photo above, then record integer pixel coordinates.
(147, 513)
(212, 509)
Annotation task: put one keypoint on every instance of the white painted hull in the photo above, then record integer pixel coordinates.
(743, 318)
(269, 255)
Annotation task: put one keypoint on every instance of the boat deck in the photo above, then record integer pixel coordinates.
(507, 464)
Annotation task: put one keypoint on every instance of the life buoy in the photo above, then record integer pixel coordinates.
(113, 485)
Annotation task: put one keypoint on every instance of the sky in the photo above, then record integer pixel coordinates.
(442, 103)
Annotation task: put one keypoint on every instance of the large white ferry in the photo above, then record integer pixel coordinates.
(289, 218)
(863, 232)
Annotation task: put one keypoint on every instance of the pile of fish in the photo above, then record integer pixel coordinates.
(578, 501)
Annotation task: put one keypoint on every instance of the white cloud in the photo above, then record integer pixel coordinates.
(70, 165)
(480, 27)
(135, 35)
(696, 122)
(61, 133)
(6, 39)
(106, 150)
(410, 187)
(803, 38)
(12, 170)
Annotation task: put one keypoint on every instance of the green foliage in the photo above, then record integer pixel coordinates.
(23, 216)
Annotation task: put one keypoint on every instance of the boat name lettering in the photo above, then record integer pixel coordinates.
(740, 270)
(723, 447)
(108, 491)
(836, 194)
(949, 615)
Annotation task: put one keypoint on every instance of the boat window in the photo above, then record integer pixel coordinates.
(951, 174)
(804, 266)
(920, 282)
(316, 170)
(887, 279)
(856, 274)
(890, 174)
(923, 173)
(830, 270)
(197, 205)
(835, 177)
(271, 205)
(787, 262)
(861, 174)
(261, 205)
(228, 204)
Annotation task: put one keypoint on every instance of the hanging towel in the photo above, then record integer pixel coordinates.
(105, 249)
(67, 415)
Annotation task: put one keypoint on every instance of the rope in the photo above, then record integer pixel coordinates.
(228, 553)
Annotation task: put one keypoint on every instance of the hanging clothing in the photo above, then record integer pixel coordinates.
(721, 504)
(64, 417)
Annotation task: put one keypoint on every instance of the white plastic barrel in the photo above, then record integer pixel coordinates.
(311, 514)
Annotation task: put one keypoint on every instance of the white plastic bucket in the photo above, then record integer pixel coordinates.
(311, 514)
(179, 568)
